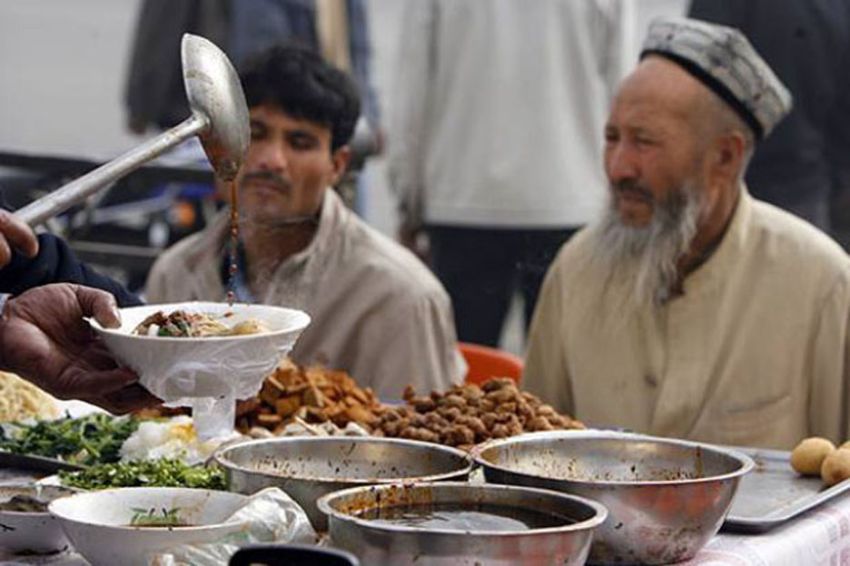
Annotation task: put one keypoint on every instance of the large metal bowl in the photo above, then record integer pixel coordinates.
(665, 498)
(355, 525)
(309, 467)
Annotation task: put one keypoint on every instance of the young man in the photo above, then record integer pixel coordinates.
(692, 309)
(376, 311)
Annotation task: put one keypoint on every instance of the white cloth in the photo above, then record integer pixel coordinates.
(755, 353)
(376, 310)
(500, 108)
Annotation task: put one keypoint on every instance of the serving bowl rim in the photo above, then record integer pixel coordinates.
(36, 487)
(228, 464)
(746, 463)
(303, 320)
(599, 517)
(131, 528)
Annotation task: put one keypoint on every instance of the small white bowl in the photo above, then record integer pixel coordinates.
(35, 532)
(173, 368)
(98, 523)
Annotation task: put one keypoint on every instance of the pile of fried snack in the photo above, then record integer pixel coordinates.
(463, 416)
(467, 414)
(312, 395)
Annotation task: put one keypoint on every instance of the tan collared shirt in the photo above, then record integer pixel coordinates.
(755, 352)
(377, 311)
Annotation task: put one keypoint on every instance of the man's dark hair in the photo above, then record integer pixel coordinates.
(298, 81)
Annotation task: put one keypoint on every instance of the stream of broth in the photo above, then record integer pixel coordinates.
(234, 241)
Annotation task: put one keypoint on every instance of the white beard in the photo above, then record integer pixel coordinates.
(645, 258)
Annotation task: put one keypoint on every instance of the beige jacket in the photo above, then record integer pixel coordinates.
(754, 353)
(377, 311)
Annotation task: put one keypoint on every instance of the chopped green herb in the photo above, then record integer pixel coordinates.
(145, 473)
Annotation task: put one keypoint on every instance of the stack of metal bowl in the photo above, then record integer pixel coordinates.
(450, 523)
(665, 498)
(307, 468)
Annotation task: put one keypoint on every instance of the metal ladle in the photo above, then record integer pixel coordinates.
(219, 118)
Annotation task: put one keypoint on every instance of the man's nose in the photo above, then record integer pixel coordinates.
(273, 157)
(621, 163)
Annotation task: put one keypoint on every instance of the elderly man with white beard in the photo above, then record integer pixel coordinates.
(691, 309)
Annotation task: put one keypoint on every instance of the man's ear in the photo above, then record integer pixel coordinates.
(729, 155)
(340, 159)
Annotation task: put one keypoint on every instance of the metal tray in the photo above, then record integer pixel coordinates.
(774, 493)
(35, 463)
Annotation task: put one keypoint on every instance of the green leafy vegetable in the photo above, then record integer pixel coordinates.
(146, 473)
(154, 517)
(88, 440)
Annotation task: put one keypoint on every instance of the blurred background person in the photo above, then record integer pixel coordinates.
(495, 137)
(806, 162)
(338, 29)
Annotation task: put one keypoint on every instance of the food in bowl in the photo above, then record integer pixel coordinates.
(27, 526)
(24, 504)
(184, 324)
(158, 517)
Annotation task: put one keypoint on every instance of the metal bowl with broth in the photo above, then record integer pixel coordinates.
(451, 523)
(309, 467)
(665, 498)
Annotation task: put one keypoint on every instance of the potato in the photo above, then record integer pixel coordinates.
(836, 467)
(808, 456)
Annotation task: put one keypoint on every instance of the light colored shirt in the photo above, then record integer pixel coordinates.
(500, 107)
(377, 312)
(754, 353)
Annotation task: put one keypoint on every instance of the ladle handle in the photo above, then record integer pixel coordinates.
(79, 189)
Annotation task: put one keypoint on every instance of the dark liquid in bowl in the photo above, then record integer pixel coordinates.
(460, 517)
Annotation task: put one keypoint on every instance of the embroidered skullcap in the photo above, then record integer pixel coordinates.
(724, 60)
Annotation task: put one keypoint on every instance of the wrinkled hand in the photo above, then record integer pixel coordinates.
(44, 339)
(15, 234)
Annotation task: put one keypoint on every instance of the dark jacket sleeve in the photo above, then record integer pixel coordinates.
(56, 263)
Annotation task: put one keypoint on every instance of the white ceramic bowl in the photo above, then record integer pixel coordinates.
(208, 374)
(172, 368)
(32, 532)
(98, 523)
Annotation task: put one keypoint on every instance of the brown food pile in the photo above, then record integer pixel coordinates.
(314, 394)
(467, 414)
